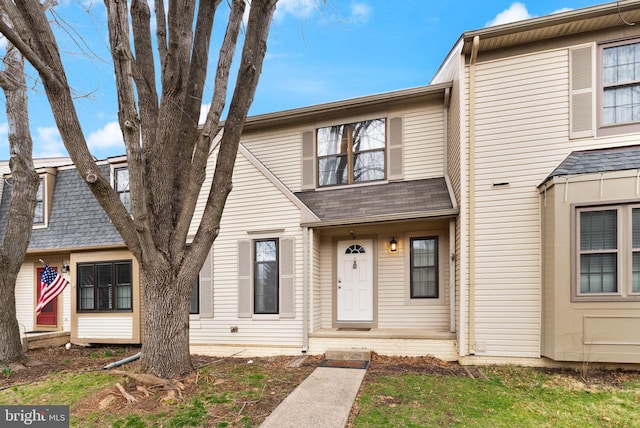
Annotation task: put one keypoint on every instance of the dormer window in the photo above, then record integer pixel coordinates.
(351, 153)
(38, 216)
(121, 185)
(44, 198)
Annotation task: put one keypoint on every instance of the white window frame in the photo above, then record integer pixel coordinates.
(618, 127)
(114, 168)
(45, 208)
(350, 153)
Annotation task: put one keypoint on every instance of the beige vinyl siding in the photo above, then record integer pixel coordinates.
(521, 114)
(454, 170)
(25, 299)
(256, 206)
(522, 129)
(393, 310)
(105, 327)
(453, 144)
(204, 193)
(326, 282)
(424, 142)
(280, 152)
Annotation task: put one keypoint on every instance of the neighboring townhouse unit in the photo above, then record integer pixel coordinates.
(493, 215)
(74, 236)
(534, 279)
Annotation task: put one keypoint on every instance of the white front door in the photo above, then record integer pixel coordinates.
(355, 281)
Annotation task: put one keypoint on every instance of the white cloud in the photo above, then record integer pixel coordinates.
(47, 143)
(516, 12)
(564, 9)
(110, 136)
(298, 8)
(360, 13)
(4, 131)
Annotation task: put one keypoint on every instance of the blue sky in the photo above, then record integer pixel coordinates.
(318, 52)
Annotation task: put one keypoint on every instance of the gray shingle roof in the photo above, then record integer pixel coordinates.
(599, 160)
(76, 219)
(386, 199)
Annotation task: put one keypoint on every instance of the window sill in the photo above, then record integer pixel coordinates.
(605, 298)
(350, 186)
(424, 301)
(103, 312)
(266, 317)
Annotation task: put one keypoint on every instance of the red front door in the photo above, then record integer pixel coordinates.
(49, 315)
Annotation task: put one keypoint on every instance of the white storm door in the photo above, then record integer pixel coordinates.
(355, 281)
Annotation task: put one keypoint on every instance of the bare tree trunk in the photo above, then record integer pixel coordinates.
(167, 152)
(10, 342)
(166, 323)
(23, 202)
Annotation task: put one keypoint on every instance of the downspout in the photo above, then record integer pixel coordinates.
(123, 361)
(305, 289)
(452, 224)
(472, 190)
(452, 275)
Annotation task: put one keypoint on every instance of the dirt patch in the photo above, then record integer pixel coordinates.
(218, 383)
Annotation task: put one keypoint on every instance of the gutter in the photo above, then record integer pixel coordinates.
(415, 215)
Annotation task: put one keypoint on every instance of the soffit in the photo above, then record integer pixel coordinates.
(338, 109)
(553, 26)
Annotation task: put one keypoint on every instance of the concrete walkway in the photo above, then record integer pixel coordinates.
(323, 400)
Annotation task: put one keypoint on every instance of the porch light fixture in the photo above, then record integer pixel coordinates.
(393, 245)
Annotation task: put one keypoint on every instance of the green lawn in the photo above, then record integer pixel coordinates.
(511, 397)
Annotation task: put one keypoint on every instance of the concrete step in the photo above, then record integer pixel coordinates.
(352, 354)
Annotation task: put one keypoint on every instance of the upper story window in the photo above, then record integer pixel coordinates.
(351, 153)
(621, 84)
(39, 215)
(121, 185)
(44, 196)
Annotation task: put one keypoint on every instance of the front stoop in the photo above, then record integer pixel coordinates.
(353, 354)
(45, 339)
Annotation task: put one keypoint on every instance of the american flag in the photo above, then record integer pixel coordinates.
(51, 284)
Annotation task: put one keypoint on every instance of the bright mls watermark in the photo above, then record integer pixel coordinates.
(34, 416)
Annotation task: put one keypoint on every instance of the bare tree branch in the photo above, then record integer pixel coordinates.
(161, 34)
(253, 54)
